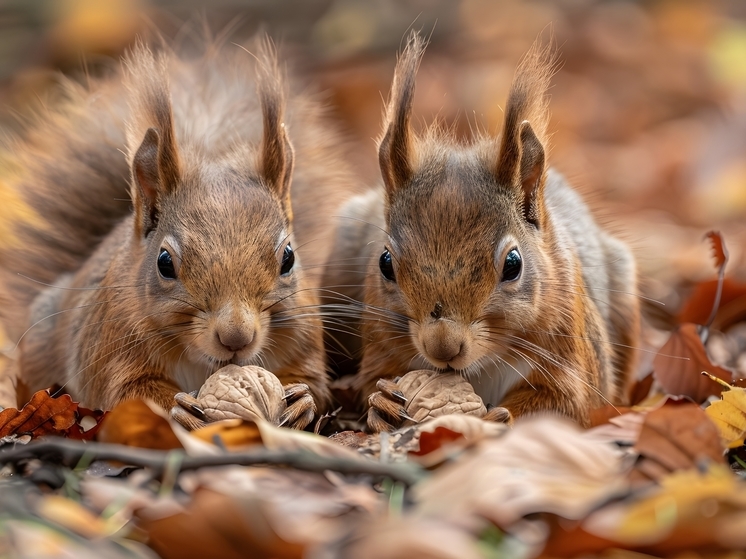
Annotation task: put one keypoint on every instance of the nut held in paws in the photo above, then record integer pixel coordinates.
(432, 394)
(248, 392)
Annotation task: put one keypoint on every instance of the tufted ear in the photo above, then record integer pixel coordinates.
(151, 138)
(521, 161)
(395, 149)
(276, 153)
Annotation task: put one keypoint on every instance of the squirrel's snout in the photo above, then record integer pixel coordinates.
(235, 339)
(235, 329)
(442, 342)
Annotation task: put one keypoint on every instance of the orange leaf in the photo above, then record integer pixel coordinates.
(680, 362)
(42, 415)
(732, 309)
(430, 442)
(133, 423)
(215, 525)
(718, 249)
(677, 436)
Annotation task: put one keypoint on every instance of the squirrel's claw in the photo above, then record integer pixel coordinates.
(499, 415)
(386, 404)
(376, 423)
(185, 418)
(190, 404)
(301, 407)
(391, 389)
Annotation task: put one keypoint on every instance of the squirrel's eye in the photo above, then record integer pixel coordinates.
(512, 266)
(288, 259)
(387, 266)
(166, 265)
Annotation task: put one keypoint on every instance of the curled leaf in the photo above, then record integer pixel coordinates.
(718, 249)
(680, 361)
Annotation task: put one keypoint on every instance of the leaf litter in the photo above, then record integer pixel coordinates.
(655, 478)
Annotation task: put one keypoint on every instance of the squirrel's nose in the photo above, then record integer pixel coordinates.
(443, 350)
(235, 338)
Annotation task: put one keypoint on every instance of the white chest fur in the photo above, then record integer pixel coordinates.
(496, 379)
(189, 375)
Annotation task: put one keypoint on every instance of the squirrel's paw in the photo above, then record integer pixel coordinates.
(386, 410)
(499, 415)
(188, 412)
(301, 407)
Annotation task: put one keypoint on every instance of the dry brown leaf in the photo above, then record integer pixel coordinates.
(718, 249)
(300, 507)
(732, 309)
(680, 362)
(689, 511)
(407, 538)
(135, 423)
(215, 525)
(42, 415)
(677, 436)
(542, 464)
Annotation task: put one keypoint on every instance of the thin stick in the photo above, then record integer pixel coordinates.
(70, 452)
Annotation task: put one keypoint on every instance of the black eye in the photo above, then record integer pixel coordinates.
(166, 265)
(512, 266)
(288, 259)
(387, 266)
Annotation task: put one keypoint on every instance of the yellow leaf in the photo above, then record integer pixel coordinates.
(729, 414)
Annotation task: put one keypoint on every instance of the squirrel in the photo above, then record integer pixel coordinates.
(484, 261)
(204, 270)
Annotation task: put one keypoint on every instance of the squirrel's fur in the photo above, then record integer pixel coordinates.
(207, 164)
(560, 337)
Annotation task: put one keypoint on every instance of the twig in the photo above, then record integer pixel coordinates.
(71, 451)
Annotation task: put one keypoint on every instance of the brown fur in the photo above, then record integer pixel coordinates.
(550, 340)
(210, 168)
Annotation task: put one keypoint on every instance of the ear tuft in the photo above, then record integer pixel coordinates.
(395, 149)
(522, 158)
(276, 154)
(151, 137)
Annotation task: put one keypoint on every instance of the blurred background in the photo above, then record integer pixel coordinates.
(649, 106)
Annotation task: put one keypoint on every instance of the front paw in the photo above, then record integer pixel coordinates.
(499, 415)
(387, 410)
(188, 412)
(301, 407)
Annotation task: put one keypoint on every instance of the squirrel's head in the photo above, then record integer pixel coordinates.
(467, 257)
(214, 226)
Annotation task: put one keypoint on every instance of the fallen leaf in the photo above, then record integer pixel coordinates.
(430, 442)
(718, 249)
(42, 415)
(680, 362)
(677, 436)
(541, 465)
(729, 414)
(135, 423)
(408, 537)
(689, 511)
(732, 309)
(215, 525)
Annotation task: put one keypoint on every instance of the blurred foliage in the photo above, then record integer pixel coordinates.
(649, 104)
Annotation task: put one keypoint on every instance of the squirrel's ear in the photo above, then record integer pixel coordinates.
(522, 158)
(150, 135)
(154, 173)
(395, 149)
(276, 153)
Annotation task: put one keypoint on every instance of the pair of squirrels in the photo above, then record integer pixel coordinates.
(174, 222)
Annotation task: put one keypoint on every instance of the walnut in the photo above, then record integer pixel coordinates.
(243, 392)
(432, 394)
